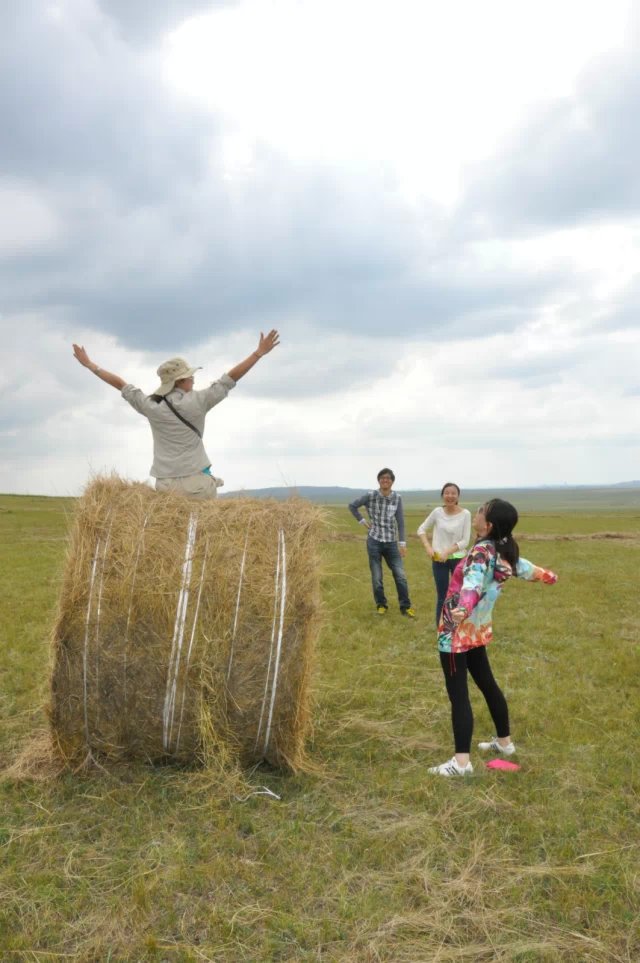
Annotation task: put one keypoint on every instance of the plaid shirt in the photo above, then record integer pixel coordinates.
(385, 513)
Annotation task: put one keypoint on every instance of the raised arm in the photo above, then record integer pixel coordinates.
(534, 573)
(108, 377)
(266, 344)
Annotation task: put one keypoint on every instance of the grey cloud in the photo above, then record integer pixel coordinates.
(143, 310)
(74, 101)
(329, 369)
(142, 21)
(538, 371)
(156, 247)
(574, 161)
(528, 374)
(624, 313)
(195, 264)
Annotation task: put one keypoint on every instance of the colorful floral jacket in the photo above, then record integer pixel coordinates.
(475, 586)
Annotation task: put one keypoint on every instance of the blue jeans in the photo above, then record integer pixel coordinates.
(442, 572)
(390, 552)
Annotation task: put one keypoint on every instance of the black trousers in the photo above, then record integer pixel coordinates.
(455, 667)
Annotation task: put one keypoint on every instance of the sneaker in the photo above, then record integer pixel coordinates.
(410, 613)
(494, 746)
(451, 768)
(382, 610)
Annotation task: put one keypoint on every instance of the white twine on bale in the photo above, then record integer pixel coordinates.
(126, 628)
(279, 597)
(99, 607)
(273, 636)
(178, 635)
(85, 653)
(283, 596)
(235, 620)
(263, 791)
(191, 640)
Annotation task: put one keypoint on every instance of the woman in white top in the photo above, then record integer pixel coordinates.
(450, 527)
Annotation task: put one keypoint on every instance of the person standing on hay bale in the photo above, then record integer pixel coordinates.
(465, 630)
(385, 540)
(180, 462)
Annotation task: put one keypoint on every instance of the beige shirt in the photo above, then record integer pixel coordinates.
(448, 530)
(177, 450)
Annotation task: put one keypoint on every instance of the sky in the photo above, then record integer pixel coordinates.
(437, 206)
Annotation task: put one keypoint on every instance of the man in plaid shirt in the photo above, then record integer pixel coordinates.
(385, 540)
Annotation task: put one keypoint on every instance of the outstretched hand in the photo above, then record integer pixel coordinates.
(267, 342)
(108, 377)
(81, 355)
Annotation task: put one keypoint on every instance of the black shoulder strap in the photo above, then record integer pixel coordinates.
(183, 420)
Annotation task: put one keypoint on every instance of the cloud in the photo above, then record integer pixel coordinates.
(574, 160)
(435, 409)
(156, 236)
(88, 107)
(443, 338)
(142, 21)
(196, 263)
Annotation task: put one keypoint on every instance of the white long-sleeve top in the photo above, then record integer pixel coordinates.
(448, 530)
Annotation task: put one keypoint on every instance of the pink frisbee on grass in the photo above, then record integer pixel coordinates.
(502, 764)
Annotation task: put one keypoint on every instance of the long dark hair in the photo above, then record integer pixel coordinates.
(504, 518)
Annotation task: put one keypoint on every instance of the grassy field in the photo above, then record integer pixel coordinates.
(368, 858)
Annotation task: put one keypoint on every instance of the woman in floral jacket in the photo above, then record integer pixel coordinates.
(465, 629)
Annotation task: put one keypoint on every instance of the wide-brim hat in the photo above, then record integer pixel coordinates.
(171, 371)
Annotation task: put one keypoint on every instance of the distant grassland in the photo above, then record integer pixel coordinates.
(613, 498)
(367, 858)
(567, 499)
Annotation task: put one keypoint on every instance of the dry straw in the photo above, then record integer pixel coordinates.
(185, 630)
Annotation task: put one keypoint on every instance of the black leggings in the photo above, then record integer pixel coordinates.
(455, 674)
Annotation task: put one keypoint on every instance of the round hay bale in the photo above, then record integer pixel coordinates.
(185, 630)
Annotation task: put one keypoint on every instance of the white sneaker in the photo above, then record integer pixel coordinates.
(451, 768)
(494, 746)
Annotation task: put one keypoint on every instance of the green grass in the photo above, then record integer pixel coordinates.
(366, 859)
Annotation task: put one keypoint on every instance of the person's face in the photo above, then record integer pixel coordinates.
(480, 524)
(185, 384)
(386, 483)
(450, 496)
